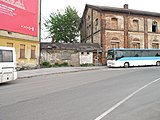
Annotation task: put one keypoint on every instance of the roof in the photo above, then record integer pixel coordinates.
(72, 46)
(134, 49)
(123, 10)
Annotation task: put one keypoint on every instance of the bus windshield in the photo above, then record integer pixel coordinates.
(110, 55)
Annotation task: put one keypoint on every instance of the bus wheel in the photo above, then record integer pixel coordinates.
(126, 64)
(158, 63)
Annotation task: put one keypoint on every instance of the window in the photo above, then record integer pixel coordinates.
(114, 23)
(89, 30)
(22, 51)
(96, 24)
(33, 50)
(154, 26)
(114, 44)
(135, 25)
(6, 56)
(88, 17)
(9, 44)
(136, 45)
(155, 45)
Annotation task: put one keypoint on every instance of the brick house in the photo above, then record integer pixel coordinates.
(113, 27)
(72, 53)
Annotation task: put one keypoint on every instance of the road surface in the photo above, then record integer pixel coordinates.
(105, 94)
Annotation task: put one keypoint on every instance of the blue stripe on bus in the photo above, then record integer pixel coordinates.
(138, 58)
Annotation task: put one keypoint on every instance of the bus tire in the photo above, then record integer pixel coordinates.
(126, 64)
(158, 63)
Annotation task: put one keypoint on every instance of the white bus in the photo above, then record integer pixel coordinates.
(7, 64)
(133, 57)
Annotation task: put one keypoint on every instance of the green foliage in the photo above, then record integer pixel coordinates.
(46, 64)
(65, 64)
(63, 27)
(86, 64)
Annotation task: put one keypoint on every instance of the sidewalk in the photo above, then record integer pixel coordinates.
(58, 70)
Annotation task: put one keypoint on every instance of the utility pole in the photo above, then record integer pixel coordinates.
(39, 20)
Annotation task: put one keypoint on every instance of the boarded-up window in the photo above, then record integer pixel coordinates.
(9, 44)
(66, 56)
(33, 52)
(135, 25)
(22, 51)
(114, 23)
(155, 45)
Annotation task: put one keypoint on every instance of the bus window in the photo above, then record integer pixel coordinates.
(7, 56)
(144, 53)
(151, 53)
(119, 54)
(137, 53)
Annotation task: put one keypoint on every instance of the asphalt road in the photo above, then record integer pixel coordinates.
(105, 94)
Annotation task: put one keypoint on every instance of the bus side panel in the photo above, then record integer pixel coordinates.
(0, 76)
(15, 75)
(7, 74)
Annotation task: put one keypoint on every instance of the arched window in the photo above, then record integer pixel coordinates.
(154, 26)
(135, 25)
(114, 23)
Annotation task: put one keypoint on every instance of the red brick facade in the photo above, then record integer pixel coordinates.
(120, 28)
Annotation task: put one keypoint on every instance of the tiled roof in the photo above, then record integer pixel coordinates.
(123, 10)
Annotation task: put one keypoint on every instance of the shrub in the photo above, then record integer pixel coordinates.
(61, 65)
(86, 64)
(64, 64)
(46, 64)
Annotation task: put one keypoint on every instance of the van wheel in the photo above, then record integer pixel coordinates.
(126, 64)
(158, 63)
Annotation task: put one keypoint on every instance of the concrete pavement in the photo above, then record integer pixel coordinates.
(54, 70)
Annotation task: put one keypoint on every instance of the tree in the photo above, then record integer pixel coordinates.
(63, 27)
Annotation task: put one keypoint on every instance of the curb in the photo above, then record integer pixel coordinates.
(62, 72)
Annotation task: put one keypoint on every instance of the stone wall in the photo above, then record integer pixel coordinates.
(60, 56)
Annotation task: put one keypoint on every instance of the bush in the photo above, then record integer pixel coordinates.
(65, 64)
(46, 64)
(86, 64)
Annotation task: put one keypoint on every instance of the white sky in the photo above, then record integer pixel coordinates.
(49, 6)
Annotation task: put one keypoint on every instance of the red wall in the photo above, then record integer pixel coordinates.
(19, 16)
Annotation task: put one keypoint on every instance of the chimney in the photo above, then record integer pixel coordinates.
(125, 6)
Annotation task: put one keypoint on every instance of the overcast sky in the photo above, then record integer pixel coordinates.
(49, 6)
